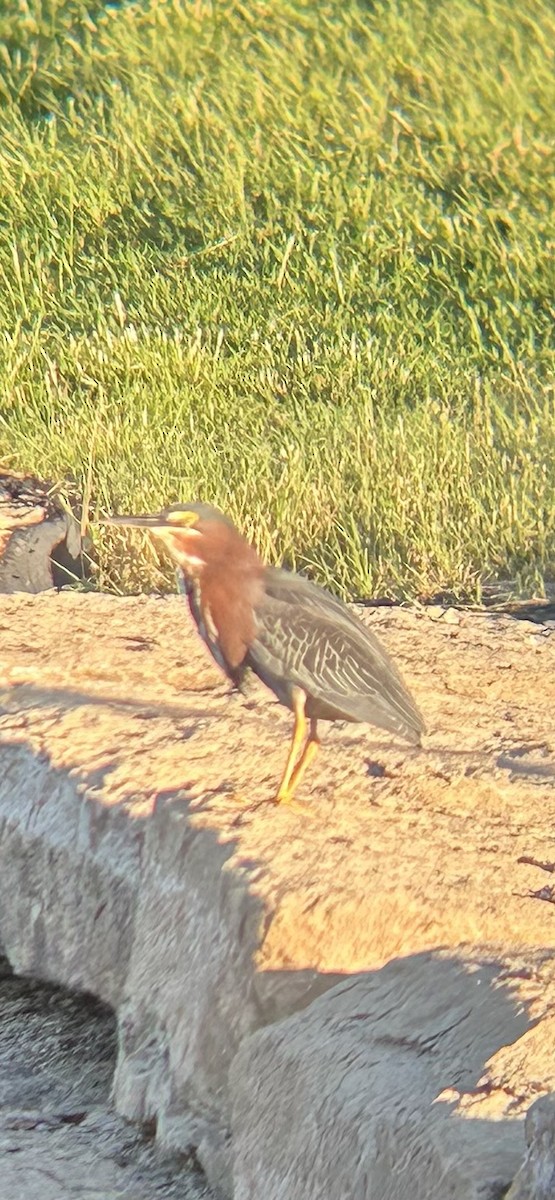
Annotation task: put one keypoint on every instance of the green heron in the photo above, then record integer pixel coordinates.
(302, 642)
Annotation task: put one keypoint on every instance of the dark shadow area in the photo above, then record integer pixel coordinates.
(57, 1058)
(539, 769)
(541, 612)
(68, 568)
(29, 695)
(57, 1047)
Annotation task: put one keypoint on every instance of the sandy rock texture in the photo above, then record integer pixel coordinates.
(355, 1000)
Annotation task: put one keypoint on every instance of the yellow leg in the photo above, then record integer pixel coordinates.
(308, 755)
(299, 731)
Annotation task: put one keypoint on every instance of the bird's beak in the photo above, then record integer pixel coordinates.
(149, 521)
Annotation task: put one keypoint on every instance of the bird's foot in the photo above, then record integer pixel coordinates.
(286, 800)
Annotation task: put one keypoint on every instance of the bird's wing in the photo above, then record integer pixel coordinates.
(311, 638)
(287, 586)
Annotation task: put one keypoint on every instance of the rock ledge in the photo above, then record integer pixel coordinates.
(353, 1002)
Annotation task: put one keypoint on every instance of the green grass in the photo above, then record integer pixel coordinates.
(295, 259)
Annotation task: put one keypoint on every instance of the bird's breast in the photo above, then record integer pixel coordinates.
(206, 624)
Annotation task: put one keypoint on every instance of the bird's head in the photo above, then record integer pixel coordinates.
(197, 536)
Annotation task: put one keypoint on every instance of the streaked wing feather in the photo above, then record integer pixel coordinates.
(290, 588)
(314, 641)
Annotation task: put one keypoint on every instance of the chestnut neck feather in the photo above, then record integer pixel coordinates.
(231, 586)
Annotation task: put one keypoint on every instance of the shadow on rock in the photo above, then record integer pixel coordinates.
(379, 1088)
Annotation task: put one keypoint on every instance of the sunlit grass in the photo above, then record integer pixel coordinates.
(294, 259)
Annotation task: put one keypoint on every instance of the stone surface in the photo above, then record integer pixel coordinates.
(140, 858)
(40, 539)
(396, 1084)
(59, 1137)
(536, 1178)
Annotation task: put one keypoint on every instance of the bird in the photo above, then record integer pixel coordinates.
(303, 642)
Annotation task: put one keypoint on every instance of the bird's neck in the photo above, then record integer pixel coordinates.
(227, 597)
